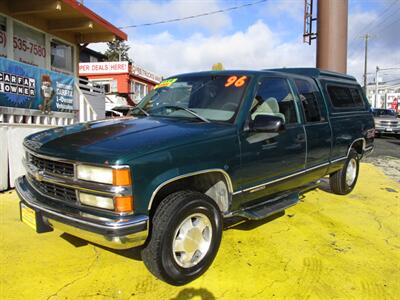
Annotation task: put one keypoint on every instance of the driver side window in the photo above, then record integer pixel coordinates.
(275, 98)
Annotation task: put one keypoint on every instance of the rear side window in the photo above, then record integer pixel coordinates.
(355, 93)
(344, 97)
(309, 99)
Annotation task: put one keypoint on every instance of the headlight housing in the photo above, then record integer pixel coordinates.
(106, 175)
(117, 176)
(118, 204)
(96, 201)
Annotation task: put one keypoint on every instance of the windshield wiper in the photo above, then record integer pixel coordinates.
(189, 111)
(141, 109)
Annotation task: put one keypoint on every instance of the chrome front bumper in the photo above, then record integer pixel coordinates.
(120, 233)
(387, 129)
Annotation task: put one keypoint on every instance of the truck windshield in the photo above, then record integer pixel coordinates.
(384, 112)
(201, 97)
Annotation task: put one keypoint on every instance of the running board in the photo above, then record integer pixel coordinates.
(270, 207)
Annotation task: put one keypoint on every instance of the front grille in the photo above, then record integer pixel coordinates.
(52, 166)
(54, 190)
(388, 124)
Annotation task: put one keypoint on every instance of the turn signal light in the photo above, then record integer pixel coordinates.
(123, 204)
(122, 177)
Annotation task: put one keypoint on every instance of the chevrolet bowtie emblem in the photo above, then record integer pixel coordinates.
(39, 175)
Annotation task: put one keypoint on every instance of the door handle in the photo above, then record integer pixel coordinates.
(300, 137)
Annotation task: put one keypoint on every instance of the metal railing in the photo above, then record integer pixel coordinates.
(89, 90)
(14, 115)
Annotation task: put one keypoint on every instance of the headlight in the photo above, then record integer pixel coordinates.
(97, 201)
(104, 175)
(118, 204)
(97, 174)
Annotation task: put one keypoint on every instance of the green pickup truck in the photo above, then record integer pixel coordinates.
(198, 149)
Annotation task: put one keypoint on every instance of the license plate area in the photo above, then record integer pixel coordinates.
(33, 219)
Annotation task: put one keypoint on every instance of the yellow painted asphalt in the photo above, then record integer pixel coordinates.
(326, 247)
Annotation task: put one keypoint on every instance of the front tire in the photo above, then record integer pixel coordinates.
(185, 237)
(342, 182)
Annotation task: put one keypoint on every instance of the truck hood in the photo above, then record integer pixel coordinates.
(120, 140)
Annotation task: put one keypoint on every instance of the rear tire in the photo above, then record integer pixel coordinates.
(342, 182)
(185, 237)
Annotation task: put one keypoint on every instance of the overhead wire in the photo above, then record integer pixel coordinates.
(355, 36)
(387, 24)
(194, 16)
(382, 17)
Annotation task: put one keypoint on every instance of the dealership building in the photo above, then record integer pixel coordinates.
(124, 83)
(40, 43)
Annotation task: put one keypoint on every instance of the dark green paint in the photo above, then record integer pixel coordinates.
(158, 149)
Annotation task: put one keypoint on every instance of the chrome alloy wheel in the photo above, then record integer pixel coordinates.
(351, 171)
(192, 240)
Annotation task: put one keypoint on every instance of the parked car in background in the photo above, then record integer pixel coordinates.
(386, 122)
(198, 148)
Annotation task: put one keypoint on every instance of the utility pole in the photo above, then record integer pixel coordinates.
(366, 37)
(376, 86)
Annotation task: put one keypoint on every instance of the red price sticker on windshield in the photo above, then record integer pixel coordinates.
(235, 81)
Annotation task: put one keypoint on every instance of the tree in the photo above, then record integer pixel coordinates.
(117, 50)
(217, 67)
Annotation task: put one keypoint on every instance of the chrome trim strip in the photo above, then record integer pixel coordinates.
(280, 179)
(109, 224)
(77, 204)
(87, 186)
(303, 171)
(226, 175)
(29, 180)
(339, 159)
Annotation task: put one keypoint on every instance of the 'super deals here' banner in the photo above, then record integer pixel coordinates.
(26, 86)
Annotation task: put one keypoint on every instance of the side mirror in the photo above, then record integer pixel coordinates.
(267, 123)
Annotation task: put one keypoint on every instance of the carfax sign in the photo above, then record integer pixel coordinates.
(26, 86)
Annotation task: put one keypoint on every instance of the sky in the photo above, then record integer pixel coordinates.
(262, 36)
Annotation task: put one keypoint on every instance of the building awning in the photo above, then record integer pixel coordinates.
(67, 17)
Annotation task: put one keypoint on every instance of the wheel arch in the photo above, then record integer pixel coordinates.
(358, 145)
(215, 183)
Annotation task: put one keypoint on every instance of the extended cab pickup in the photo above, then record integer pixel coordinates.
(199, 148)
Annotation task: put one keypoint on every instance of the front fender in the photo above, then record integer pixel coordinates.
(157, 169)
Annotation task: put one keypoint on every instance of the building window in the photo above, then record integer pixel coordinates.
(139, 90)
(93, 58)
(61, 57)
(110, 86)
(3, 36)
(29, 46)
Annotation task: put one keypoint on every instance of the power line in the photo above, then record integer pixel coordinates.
(366, 28)
(388, 24)
(377, 30)
(373, 21)
(387, 18)
(195, 16)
